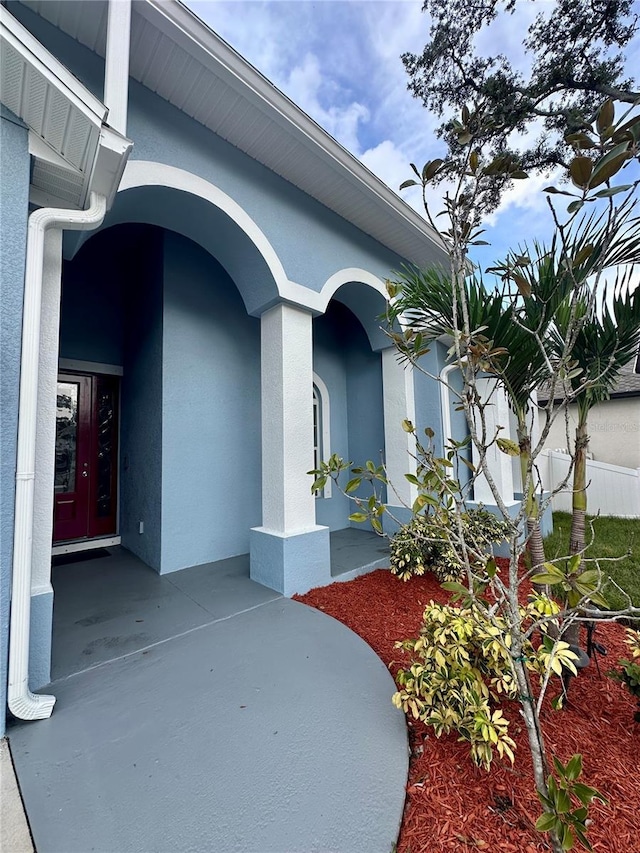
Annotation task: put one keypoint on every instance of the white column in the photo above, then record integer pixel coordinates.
(288, 505)
(399, 404)
(116, 69)
(289, 553)
(496, 414)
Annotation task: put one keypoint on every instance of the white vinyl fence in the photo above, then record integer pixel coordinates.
(611, 490)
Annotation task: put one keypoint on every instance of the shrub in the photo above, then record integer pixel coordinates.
(462, 666)
(425, 545)
(629, 674)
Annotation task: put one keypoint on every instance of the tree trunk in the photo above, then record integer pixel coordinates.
(579, 511)
(532, 723)
(535, 545)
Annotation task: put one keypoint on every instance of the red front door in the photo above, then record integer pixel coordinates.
(85, 483)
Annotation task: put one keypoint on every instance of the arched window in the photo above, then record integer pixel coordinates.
(321, 429)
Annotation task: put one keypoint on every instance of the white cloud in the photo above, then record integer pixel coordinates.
(305, 85)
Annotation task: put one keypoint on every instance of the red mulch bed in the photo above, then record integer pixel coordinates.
(452, 805)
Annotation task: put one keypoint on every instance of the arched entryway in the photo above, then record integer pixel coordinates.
(155, 307)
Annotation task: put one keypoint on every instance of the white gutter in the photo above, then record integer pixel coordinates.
(22, 703)
(445, 402)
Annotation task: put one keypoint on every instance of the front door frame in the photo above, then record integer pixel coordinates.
(69, 365)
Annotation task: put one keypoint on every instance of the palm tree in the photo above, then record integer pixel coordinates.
(426, 303)
(608, 339)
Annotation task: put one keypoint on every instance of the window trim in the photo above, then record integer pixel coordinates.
(321, 393)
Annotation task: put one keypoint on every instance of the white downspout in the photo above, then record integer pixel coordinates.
(22, 702)
(445, 402)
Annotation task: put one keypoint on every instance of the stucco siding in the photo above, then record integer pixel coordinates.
(211, 487)
(343, 359)
(141, 398)
(14, 176)
(614, 432)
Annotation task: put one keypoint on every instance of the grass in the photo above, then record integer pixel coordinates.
(614, 537)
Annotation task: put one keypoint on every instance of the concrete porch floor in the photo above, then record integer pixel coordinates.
(199, 711)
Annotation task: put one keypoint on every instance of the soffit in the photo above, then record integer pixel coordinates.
(64, 119)
(177, 56)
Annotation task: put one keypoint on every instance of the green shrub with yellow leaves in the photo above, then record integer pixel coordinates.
(461, 667)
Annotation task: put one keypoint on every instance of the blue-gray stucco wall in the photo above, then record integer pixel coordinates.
(211, 486)
(14, 177)
(343, 359)
(142, 399)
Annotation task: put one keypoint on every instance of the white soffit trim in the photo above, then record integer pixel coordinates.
(71, 146)
(50, 100)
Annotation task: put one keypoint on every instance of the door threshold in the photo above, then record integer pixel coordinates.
(85, 545)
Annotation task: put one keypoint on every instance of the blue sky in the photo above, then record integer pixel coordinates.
(339, 60)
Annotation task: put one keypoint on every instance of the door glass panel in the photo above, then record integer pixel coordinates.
(105, 448)
(66, 437)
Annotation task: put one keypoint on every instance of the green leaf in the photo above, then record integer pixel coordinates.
(319, 484)
(547, 577)
(599, 600)
(412, 479)
(605, 116)
(431, 169)
(506, 445)
(563, 802)
(574, 206)
(580, 170)
(352, 485)
(545, 822)
(608, 165)
(574, 767)
(454, 586)
(409, 183)
(407, 426)
(358, 517)
(566, 837)
(609, 191)
(555, 191)
(589, 578)
(584, 793)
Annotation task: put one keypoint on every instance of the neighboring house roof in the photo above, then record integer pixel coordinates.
(627, 385)
(177, 56)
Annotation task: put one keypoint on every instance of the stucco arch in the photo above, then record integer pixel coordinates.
(173, 198)
(365, 295)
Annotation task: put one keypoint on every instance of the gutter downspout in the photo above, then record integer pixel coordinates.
(22, 702)
(445, 402)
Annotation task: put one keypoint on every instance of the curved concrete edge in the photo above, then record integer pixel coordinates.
(270, 732)
(385, 687)
(14, 829)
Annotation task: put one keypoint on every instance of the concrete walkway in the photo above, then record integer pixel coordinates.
(255, 725)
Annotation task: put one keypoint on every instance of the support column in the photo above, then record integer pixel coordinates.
(289, 552)
(496, 414)
(399, 404)
(116, 70)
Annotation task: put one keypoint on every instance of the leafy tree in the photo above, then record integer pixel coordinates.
(583, 248)
(574, 50)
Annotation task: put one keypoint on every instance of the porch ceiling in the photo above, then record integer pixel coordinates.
(176, 55)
